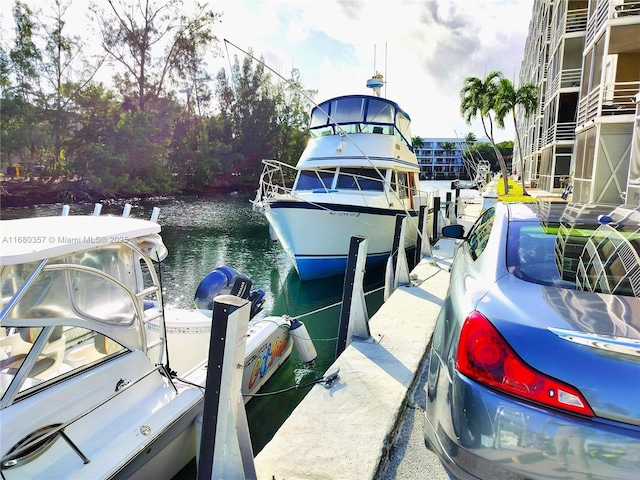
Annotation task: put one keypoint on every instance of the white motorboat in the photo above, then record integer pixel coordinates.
(357, 173)
(86, 387)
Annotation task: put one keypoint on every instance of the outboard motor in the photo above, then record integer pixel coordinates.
(225, 280)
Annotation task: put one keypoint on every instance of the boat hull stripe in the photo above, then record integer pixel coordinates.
(340, 208)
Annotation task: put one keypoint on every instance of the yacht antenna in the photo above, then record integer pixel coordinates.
(376, 82)
(385, 69)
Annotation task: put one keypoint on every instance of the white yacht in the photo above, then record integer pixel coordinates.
(357, 173)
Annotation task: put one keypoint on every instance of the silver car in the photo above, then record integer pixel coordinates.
(534, 366)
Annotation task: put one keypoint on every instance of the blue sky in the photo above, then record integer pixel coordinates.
(431, 46)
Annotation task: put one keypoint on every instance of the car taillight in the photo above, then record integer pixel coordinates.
(485, 356)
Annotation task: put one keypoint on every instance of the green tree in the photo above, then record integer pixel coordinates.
(22, 128)
(417, 142)
(59, 53)
(293, 104)
(91, 148)
(248, 107)
(448, 147)
(478, 97)
(507, 100)
(133, 33)
(469, 139)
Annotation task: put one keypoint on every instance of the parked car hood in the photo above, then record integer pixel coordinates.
(589, 340)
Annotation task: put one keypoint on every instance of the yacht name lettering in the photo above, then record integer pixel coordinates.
(345, 214)
(87, 239)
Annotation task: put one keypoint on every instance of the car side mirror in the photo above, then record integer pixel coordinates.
(453, 231)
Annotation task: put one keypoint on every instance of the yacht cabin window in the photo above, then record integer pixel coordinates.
(361, 179)
(400, 183)
(357, 115)
(314, 179)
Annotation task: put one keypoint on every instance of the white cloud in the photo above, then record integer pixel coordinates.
(431, 47)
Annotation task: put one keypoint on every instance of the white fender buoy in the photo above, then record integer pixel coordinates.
(302, 341)
(388, 278)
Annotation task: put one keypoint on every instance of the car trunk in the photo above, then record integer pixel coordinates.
(588, 340)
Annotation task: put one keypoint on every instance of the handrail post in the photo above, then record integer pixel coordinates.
(420, 237)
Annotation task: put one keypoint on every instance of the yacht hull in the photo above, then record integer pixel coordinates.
(317, 236)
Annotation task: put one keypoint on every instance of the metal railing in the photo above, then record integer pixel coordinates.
(274, 182)
(608, 99)
(559, 132)
(626, 9)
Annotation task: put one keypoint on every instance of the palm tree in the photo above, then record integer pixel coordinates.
(470, 139)
(507, 100)
(417, 142)
(448, 147)
(478, 96)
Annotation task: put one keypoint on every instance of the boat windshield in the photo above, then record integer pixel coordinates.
(314, 179)
(363, 179)
(65, 349)
(360, 179)
(359, 114)
(95, 284)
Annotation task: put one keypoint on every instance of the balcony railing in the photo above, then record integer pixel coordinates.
(565, 79)
(608, 99)
(559, 132)
(604, 11)
(626, 9)
(607, 9)
(574, 21)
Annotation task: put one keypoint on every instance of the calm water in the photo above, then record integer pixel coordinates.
(204, 233)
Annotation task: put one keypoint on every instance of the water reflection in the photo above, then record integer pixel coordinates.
(204, 233)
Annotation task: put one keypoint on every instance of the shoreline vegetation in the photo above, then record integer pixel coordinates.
(29, 192)
(169, 124)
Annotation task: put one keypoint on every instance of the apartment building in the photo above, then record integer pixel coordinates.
(585, 57)
(441, 158)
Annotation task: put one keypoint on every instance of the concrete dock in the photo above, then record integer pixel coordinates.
(348, 431)
(368, 425)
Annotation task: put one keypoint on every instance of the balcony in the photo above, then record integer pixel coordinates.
(575, 21)
(568, 78)
(559, 132)
(626, 9)
(608, 99)
(609, 9)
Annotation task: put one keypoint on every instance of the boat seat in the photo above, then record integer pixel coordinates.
(105, 345)
(50, 358)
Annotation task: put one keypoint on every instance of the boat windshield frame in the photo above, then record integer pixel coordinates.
(353, 114)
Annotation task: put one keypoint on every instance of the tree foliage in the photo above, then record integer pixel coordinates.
(261, 119)
(477, 97)
(133, 34)
(507, 99)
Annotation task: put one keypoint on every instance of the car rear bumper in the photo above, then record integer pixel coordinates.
(479, 433)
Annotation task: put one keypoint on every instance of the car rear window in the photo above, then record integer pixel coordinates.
(599, 258)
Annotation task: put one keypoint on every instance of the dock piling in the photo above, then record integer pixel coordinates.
(354, 318)
(225, 445)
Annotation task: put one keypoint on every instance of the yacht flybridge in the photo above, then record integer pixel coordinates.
(357, 173)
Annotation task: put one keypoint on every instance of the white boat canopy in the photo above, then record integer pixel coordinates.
(39, 238)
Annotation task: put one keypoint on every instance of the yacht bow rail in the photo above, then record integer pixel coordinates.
(277, 178)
